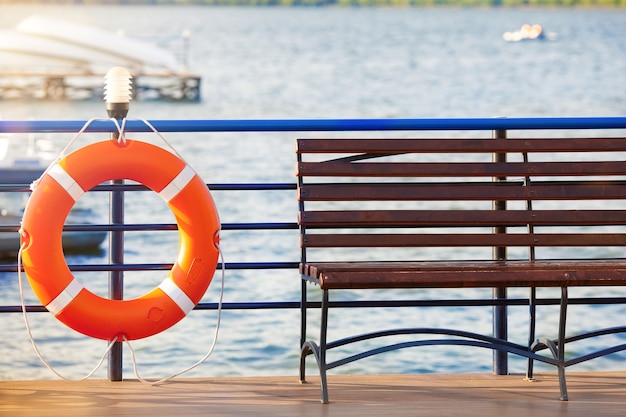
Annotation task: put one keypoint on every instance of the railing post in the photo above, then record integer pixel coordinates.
(116, 278)
(117, 87)
(500, 321)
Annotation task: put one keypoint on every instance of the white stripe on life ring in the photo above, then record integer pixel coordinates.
(66, 181)
(177, 295)
(172, 189)
(65, 297)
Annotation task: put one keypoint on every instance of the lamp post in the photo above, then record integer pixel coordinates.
(117, 92)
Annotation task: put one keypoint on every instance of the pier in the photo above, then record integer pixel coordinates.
(50, 85)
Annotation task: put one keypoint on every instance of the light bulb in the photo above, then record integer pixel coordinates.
(117, 92)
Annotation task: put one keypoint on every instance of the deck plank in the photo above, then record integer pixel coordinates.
(433, 395)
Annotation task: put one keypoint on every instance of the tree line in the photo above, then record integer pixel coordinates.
(347, 3)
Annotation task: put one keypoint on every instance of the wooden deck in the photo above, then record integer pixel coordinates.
(432, 395)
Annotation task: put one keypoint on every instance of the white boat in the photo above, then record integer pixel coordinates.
(96, 45)
(22, 162)
(17, 60)
(59, 54)
(529, 32)
(73, 241)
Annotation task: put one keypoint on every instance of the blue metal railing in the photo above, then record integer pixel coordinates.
(319, 125)
(301, 125)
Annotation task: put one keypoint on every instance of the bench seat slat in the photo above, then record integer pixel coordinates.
(461, 191)
(458, 274)
(459, 169)
(445, 145)
(415, 218)
(421, 240)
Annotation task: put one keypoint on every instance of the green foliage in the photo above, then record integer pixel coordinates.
(347, 3)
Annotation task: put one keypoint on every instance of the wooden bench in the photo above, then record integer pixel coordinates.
(456, 213)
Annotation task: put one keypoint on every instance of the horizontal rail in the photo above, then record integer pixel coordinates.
(268, 305)
(164, 266)
(160, 227)
(139, 187)
(319, 125)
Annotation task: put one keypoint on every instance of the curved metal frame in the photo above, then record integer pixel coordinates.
(463, 338)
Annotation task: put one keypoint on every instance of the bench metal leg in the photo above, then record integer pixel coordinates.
(561, 344)
(323, 347)
(318, 351)
(532, 305)
(303, 326)
(557, 347)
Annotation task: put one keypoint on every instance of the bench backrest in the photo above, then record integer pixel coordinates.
(434, 197)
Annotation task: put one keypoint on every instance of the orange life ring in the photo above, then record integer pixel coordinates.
(55, 195)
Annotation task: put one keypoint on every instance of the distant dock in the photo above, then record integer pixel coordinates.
(50, 85)
(52, 59)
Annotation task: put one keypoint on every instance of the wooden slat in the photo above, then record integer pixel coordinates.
(459, 169)
(416, 218)
(461, 191)
(387, 240)
(315, 268)
(442, 145)
(365, 275)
